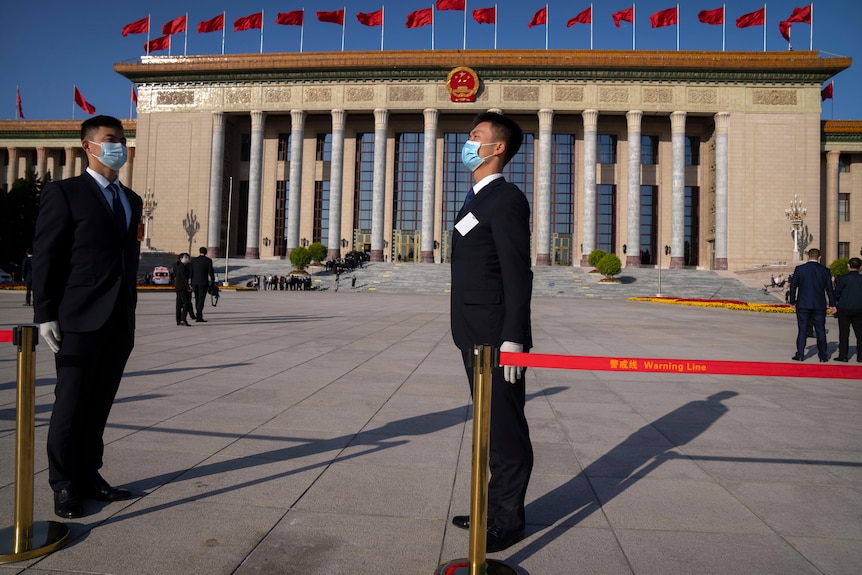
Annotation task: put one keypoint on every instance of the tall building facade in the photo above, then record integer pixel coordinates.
(677, 159)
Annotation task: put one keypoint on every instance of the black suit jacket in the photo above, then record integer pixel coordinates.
(201, 271)
(848, 291)
(811, 286)
(81, 262)
(492, 282)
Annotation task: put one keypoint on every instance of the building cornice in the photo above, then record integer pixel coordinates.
(51, 129)
(420, 65)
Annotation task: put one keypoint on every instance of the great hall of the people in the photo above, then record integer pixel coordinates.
(669, 158)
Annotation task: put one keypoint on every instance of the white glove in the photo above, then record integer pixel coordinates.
(50, 332)
(511, 373)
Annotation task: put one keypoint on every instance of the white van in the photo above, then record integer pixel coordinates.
(161, 276)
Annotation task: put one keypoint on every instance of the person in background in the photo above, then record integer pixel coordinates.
(86, 251)
(183, 289)
(848, 297)
(810, 292)
(202, 275)
(27, 276)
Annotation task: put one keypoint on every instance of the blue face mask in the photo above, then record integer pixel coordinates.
(114, 154)
(470, 154)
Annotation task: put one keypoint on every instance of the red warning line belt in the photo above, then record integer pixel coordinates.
(701, 366)
(5, 336)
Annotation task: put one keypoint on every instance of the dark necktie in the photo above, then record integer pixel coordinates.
(470, 195)
(117, 207)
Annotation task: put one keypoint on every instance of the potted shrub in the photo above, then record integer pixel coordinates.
(594, 257)
(609, 266)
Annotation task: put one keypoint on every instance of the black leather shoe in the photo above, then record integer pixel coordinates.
(824, 359)
(199, 320)
(843, 359)
(461, 521)
(796, 358)
(185, 323)
(67, 504)
(100, 490)
(498, 540)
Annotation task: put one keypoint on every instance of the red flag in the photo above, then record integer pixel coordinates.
(802, 15)
(540, 18)
(784, 28)
(451, 4)
(371, 18)
(711, 16)
(141, 26)
(585, 17)
(82, 103)
(826, 93)
(175, 26)
(627, 15)
(756, 18)
(248, 22)
(663, 18)
(294, 18)
(134, 96)
(212, 25)
(485, 15)
(334, 17)
(18, 97)
(420, 18)
(160, 43)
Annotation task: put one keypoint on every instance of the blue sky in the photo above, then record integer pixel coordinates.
(48, 46)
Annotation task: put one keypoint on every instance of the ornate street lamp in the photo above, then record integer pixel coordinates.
(150, 204)
(796, 214)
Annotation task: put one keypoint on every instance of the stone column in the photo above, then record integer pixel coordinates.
(677, 198)
(830, 248)
(69, 168)
(12, 168)
(633, 234)
(588, 224)
(429, 171)
(41, 162)
(722, 120)
(252, 236)
(336, 182)
(542, 205)
(216, 185)
(127, 172)
(294, 192)
(378, 184)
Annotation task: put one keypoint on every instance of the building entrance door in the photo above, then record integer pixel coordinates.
(405, 245)
(562, 249)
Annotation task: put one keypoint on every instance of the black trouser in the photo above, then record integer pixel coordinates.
(184, 305)
(200, 300)
(89, 368)
(511, 452)
(847, 318)
(817, 317)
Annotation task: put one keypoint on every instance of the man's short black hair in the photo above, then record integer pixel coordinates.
(813, 254)
(854, 263)
(93, 124)
(202, 251)
(504, 128)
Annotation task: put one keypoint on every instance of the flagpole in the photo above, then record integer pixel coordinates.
(547, 25)
(17, 97)
(432, 26)
(74, 87)
(186, 40)
(495, 25)
(591, 26)
(148, 39)
(382, 24)
(764, 26)
(302, 30)
(261, 30)
(169, 44)
(811, 30)
(464, 47)
(223, 24)
(633, 25)
(677, 27)
(723, 24)
(343, 26)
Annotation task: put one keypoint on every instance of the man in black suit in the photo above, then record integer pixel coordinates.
(27, 276)
(491, 289)
(86, 252)
(202, 276)
(848, 294)
(810, 289)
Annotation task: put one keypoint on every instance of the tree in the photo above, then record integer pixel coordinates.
(317, 251)
(595, 256)
(839, 267)
(300, 257)
(609, 266)
(18, 210)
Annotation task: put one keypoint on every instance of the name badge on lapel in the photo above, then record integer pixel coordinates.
(466, 224)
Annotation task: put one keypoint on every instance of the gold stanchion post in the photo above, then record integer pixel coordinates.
(26, 539)
(484, 360)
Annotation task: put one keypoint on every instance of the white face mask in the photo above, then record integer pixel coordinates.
(114, 154)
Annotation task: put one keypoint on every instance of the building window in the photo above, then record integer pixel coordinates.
(245, 148)
(407, 193)
(606, 148)
(320, 228)
(563, 184)
(521, 168)
(281, 190)
(648, 224)
(843, 250)
(323, 148)
(456, 178)
(283, 147)
(363, 192)
(649, 150)
(843, 163)
(606, 217)
(691, 228)
(692, 151)
(843, 207)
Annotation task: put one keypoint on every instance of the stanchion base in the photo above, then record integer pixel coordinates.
(462, 567)
(48, 536)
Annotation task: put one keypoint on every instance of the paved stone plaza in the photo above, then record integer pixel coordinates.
(329, 433)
